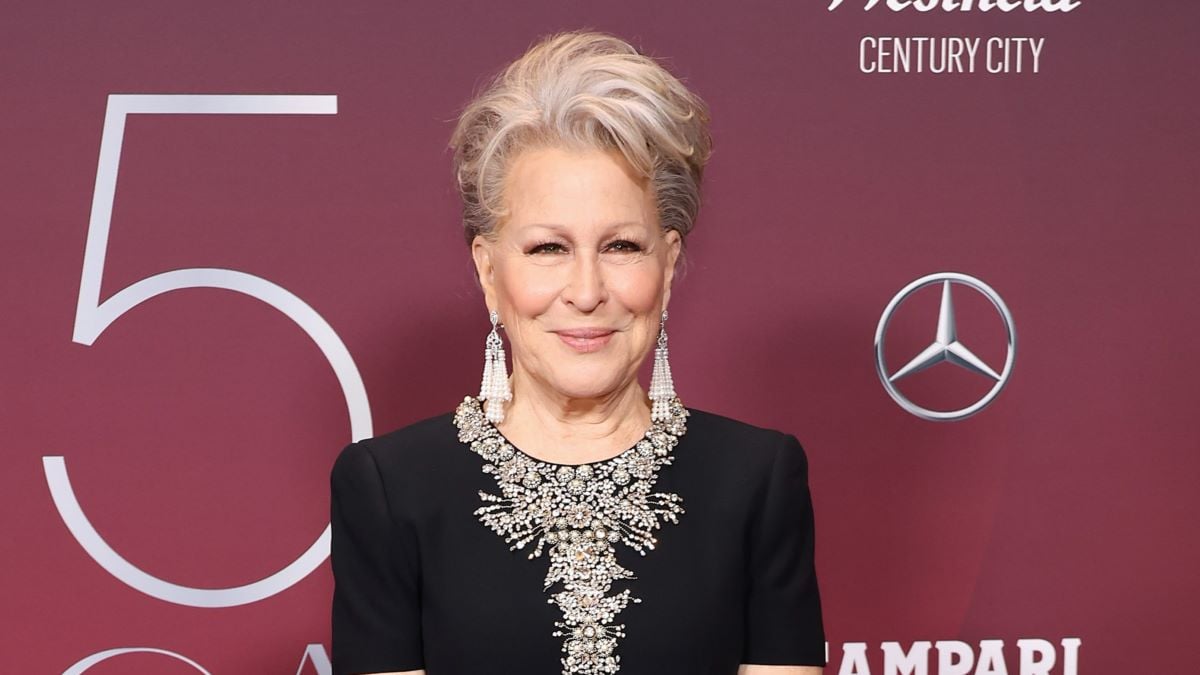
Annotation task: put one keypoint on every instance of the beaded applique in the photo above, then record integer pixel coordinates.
(578, 512)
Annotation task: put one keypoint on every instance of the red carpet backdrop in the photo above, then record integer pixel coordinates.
(951, 245)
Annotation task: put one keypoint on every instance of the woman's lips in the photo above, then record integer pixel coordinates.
(585, 340)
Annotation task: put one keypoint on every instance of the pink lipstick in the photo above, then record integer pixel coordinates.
(585, 340)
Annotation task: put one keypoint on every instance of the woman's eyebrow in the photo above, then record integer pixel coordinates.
(611, 226)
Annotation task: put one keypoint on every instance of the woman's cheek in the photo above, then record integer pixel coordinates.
(529, 289)
(640, 289)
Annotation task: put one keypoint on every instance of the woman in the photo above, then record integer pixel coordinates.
(579, 169)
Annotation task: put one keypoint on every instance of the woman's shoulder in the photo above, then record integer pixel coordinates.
(435, 430)
(713, 423)
(417, 444)
(721, 431)
(745, 456)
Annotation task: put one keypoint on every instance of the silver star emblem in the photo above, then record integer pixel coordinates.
(945, 346)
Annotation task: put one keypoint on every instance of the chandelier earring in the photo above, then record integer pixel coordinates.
(494, 389)
(662, 387)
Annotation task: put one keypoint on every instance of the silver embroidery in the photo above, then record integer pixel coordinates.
(579, 512)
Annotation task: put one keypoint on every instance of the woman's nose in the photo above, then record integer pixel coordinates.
(585, 287)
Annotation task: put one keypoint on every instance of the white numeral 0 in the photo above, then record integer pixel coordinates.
(92, 317)
(84, 664)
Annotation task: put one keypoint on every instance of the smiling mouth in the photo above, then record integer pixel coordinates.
(591, 343)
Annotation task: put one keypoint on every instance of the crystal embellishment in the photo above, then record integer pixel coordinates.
(577, 513)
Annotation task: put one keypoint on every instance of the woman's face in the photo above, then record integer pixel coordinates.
(580, 249)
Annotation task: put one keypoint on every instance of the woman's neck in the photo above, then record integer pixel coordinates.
(557, 428)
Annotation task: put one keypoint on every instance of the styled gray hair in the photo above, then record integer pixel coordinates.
(583, 89)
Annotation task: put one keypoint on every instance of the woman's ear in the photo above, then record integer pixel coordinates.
(674, 244)
(481, 252)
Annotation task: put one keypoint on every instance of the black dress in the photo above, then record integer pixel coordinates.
(421, 582)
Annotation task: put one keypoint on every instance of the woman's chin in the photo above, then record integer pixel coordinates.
(585, 387)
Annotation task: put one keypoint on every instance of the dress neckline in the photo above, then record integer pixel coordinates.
(578, 513)
(608, 460)
(673, 427)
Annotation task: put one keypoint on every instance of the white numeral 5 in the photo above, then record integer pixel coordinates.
(92, 317)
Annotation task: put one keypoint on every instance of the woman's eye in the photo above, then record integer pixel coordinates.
(549, 246)
(621, 245)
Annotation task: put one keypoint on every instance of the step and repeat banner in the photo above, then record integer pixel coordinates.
(952, 246)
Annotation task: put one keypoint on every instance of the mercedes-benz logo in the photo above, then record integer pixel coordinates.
(945, 346)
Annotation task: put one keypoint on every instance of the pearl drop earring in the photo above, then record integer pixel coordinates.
(494, 389)
(662, 387)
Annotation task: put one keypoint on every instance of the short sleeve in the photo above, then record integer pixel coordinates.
(376, 572)
(783, 606)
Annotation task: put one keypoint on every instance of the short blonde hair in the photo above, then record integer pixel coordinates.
(583, 89)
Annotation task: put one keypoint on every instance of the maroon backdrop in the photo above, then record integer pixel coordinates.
(199, 428)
